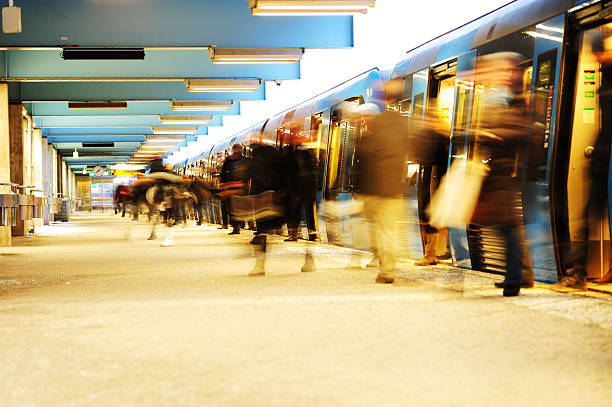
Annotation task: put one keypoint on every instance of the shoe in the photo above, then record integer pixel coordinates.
(524, 284)
(607, 279)
(313, 237)
(167, 243)
(223, 227)
(445, 256)
(426, 261)
(573, 281)
(511, 291)
(234, 232)
(309, 264)
(291, 239)
(258, 239)
(152, 237)
(382, 279)
(375, 262)
(257, 273)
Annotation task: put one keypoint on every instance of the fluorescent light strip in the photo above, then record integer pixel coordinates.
(544, 36)
(309, 7)
(222, 85)
(202, 106)
(185, 119)
(255, 55)
(175, 130)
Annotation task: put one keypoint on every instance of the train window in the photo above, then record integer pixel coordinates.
(542, 113)
(404, 107)
(417, 110)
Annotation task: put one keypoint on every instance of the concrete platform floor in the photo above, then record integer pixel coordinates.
(92, 314)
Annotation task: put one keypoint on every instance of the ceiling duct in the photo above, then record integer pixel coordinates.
(97, 105)
(109, 145)
(102, 53)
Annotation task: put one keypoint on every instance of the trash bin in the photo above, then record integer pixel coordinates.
(64, 211)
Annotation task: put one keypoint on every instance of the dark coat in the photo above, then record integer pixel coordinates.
(266, 169)
(380, 156)
(499, 202)
(301, 170)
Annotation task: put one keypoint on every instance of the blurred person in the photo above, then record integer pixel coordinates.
(301, 171)
(160, 196)
(380, 160)
(433, 159)
(267, 184)
(233, 174)
(599, 167)
(501, 137)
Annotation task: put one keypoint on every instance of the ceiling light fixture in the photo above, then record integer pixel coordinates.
(185, 119)
(97, 105)
(255, 55)
(77, 53)
(174, 130)
(222, 85)
(203, 106)
(309, 7)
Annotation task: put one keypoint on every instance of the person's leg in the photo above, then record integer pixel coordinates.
(370, 213)
(225, 209)
(514, 259)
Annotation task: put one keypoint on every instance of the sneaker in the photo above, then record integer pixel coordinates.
(425, 261)
(234, 232)
(167, 243)
(291, 239)
(573, 281)
(383, 279)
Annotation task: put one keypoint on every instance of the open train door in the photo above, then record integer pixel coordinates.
(580, 126)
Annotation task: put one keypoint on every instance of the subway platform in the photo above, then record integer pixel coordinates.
(93, 314)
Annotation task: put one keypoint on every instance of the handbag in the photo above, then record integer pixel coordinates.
(453, 203)
(266, 205)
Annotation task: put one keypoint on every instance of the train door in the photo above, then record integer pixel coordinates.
(414, 106)
(585, 129)
(343, 134)
(441, 96)
(319, 123)
(458, 148)
(410, 244)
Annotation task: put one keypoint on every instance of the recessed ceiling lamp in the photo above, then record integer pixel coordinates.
(185, 119)
(97, 105)
(175, 130)
(309, 7)
(222, 85)
(255, 55)
(202, 106)
(169, 138)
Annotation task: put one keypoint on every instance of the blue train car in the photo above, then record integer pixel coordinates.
(553, 37)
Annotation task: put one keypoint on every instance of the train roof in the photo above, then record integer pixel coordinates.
(489, 27)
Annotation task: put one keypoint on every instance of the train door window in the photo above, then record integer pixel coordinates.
(417, 109)
(542, 114)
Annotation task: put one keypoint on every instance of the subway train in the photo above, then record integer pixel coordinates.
(561, 77)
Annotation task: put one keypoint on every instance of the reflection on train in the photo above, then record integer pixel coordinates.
(554, 40)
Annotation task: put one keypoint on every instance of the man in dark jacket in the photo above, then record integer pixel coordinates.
(302, 184)
(233, 175)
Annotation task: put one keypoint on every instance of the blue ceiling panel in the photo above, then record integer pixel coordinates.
(176, 23)
(133, 109)
(99, 131)
(121, 91)
(157, 64)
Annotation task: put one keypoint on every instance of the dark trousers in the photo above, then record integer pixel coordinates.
(296, 205)
(514, 255)
(598, 198)
(226, 215)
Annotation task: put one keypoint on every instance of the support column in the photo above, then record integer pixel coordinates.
(15, 111)
(5, 158)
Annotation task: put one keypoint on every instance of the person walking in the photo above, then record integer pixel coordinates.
(233, 175)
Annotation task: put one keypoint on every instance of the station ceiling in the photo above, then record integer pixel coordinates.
(67, 64)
